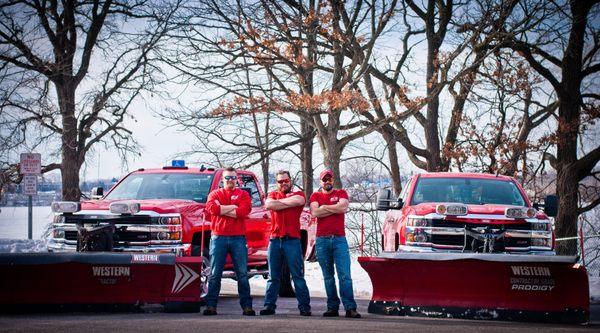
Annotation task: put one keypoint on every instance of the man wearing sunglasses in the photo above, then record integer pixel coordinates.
(228, 208)
(286, 207)
(329, 206)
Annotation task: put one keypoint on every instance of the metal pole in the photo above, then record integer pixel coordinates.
(362, 234)
(29, 216)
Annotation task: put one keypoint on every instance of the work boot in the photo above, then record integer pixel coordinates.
(248, 312)
(352, 314)
(305, 313)
(210, 311)
(267, 311)
(331, 313)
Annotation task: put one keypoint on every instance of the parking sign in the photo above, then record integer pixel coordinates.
(31, 164)
(29, 185)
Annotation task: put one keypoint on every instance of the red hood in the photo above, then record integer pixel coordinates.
(488, 209)
(161, 206)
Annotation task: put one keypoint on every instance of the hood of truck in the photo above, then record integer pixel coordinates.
(161, 206)
(479, 212)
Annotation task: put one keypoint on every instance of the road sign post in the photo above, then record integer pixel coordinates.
(30, 167)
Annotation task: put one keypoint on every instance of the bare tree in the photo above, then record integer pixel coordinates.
(77, 67)
(563, 48)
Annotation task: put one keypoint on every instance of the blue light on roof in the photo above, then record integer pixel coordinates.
(178, 163)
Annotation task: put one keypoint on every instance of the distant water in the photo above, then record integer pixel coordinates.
(13, 222)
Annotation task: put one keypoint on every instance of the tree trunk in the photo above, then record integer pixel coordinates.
(332, 152)
(569, 113)
(71, 163)
(394, 166)
(306, 151)
(566, 220)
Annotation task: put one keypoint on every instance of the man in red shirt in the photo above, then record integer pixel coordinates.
(329, 206)
(286, 207)
(228, 208)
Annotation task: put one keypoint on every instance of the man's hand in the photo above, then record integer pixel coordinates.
(228, 210)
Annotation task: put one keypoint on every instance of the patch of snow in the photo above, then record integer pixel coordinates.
(23, 245)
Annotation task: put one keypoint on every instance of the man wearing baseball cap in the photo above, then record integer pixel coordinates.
(329, 206)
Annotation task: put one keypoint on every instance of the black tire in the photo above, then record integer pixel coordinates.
(286, 289)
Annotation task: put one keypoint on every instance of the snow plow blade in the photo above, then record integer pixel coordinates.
(479, 286)
(98, 281)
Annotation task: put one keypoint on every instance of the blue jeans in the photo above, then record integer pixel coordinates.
(238, 249)
(289, 250)
(334, 250)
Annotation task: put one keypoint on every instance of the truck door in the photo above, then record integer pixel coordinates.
(258, 224)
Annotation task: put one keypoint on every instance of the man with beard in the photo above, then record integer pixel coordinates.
(286, 207)
(329, 206)
(228, 207)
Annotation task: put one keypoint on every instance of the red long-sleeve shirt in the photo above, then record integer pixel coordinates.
(225, 225)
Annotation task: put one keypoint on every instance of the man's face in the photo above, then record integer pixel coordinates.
(284, 183)
(327, 183)
(229, 179)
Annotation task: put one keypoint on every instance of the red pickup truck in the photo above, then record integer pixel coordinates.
(162, 211)
(466, 212)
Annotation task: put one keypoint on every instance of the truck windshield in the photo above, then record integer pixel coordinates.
(468, 191)
(142, 186)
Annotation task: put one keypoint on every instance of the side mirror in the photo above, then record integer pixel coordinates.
(97, 193)
(386, 201)
(551, 205)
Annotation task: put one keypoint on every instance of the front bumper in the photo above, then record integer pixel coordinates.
(177, 249)
(427, 249)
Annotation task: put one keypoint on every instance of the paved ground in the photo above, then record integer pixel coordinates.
(287, 319)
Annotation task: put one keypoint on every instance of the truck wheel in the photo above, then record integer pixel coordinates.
(205, 270)
(286, 289)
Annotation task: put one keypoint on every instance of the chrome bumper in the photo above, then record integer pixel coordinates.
(178, 249)
(448, 249)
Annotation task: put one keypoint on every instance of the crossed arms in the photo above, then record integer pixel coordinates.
(293, 201)
(325, 210)
(214, 207)
(227, 210)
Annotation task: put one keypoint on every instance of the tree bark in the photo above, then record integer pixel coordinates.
(569, 113)
(70, 163)
(394, 166)
(306, 152)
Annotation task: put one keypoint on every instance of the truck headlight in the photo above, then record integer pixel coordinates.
(169, 220)
(418, 222)
(124, 207)
(58, 233)
(417, 236)
(451, 209)
(520, 212)
(541, 242)
(541, 226)
(65, 206)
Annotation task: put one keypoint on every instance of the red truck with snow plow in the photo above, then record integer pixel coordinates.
(162, 211)
(469, 245)
(462, 212)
